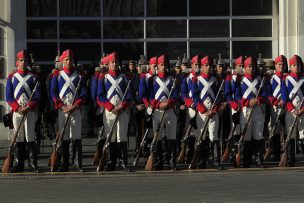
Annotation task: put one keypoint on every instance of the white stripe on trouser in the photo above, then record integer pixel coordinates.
(289, 118)
(187, 123)
(256, 125)
(212, 128)
(74, 126)
(27, 129)
(274, 112)
(121, 130)
(170, 122)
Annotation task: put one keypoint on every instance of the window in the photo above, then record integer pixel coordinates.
(43, 51)
(83, 51)
(79, 30)
(249, 7)
(252, 48)
(167, 8)
(126, 51)
(210, 48)
(166, 28)
(123, 29)
(209, 8)
(42, 29)
(209, 28)
(123, 8)
(46, 8)
(79, 8)
(253, 28)
(171, 49)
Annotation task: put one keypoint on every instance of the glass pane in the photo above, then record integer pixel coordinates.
(210, 49)
(41, 8)
(80, 8)
(249, 7)
(166, 28)
(41, 29)
(254, 28)
(80, 30)
(123, 8)
(209, 28)
(172, 49)
(83, 51)
(166, 8)
(2, 69)
(123, 29)
(246, 48)
(126, 50)
(209, 8)
(43, 51)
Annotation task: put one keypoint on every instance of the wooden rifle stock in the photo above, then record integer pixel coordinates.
(10, 157)
(225, 156)
(102, 161)
(283, 160)
(141, 147)
(97, 154)
(194, 160)
(241, 141)
(59, 136)
(149, 165)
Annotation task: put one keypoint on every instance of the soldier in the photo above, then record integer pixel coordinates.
(161, 86)
(187, 97)
(276, 103)
(204, 90)
(19, 87)
(63, 90)
(110, 91)
(246, 93)
(292, 95)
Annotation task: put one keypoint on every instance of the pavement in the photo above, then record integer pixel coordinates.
(271, 184)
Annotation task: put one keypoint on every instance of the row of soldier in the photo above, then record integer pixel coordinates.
(210, 100)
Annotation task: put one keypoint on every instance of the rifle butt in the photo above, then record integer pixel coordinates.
(267, 153)
(182, 155)
(102, 161)
(225, 156)
(238, 158)
(283, 160)
(149, 165)
(96, 158)
(7, 164)
(54, 161)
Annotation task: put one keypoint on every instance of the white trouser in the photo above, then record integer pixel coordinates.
(256, 125)
(289, 118)
(170, 122)
(274, 113)
(237, 130)
(189, 115)
(212, 128)
(121, 129)
(27, 129)
(74, 126)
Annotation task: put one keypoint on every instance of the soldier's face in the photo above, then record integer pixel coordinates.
(68, 62)
(295, 68)
(250, 70)
(22, 63)
(162, 67)
(113, 65)
(239, 69)
(195, 67)
(206, 68)
(279, 67)
(183, 67)
(131, 66)
(219, 69)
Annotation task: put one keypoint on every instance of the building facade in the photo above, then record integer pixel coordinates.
(149, 27)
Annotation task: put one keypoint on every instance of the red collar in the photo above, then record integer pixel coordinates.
(68, 70)
(114, 73)
(22, 72)
(294, 75)
(279, 74)
(162, 75)
(204, 75)
(97, 74)
(193, 73)
(249, 76)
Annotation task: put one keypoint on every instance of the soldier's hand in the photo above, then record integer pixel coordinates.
(140, 107)
(209, 113)
(163, 105)
(23, 110)
(182, 107)
(64, 109)
(296, 112)
(117, 109)
(280, 104)
(253, 102)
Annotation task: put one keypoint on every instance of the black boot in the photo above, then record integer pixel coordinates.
(77, 151)
(246, 155)
(190, 149)
(172, 147)
(216, 155)
(64, 154)
(32, 150)
(276, 144)
(259, 152)
(291, 159)
(147, 149)
(111, 164)
(204, 148)
(159, 156)
(19, 151)
(123, 155)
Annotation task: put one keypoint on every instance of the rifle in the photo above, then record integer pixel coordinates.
(241, 141)
(59, 137)
(228, 144)
(182, 154)
(10, 157)
(102, 161)
(149, 165)
(268, 149)
(194, 160)
(97, 154)
(283, 160)
(141, 147)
